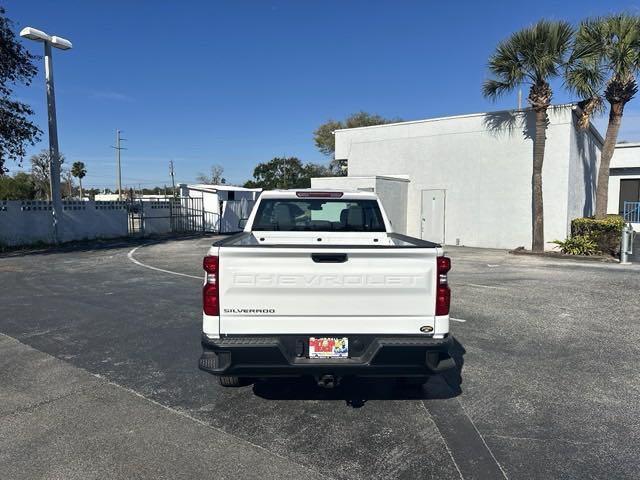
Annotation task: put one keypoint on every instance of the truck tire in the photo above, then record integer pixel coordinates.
(227, 381)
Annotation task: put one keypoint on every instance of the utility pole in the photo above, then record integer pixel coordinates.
(70, 185)
(118, 148)
(173, 178)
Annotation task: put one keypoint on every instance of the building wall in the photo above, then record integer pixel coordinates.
(584, 159)
(391, 191)
(484, 162)
(210, 200)
(394, 197)
(626, 155)
(350, 183)
(625, 164)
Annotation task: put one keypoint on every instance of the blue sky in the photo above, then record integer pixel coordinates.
(239, 82)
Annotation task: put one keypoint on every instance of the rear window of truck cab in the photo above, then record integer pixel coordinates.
(318, 214)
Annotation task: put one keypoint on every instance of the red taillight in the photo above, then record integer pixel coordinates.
(443, 293)
(444, 265)
(210, 299)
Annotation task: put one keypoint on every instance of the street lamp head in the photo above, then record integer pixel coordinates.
(34, 34)
(40, 36)
(61, 43)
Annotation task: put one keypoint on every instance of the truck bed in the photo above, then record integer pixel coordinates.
(323, 240)
(289, 283)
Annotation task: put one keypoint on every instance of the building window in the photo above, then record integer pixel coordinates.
(231, 195)
(629, 192)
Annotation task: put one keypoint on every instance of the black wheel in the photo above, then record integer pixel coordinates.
(227, 381)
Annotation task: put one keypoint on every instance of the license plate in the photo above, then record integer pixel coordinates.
(328, 347)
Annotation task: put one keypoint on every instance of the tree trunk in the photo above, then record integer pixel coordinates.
(609, 146)
(80, 183)
(537, 232)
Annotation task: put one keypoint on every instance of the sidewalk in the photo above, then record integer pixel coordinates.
(61, 422)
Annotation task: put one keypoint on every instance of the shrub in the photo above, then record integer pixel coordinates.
(578, 245)
(606, 232)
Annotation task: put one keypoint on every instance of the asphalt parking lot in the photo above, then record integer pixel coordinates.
(99, 378)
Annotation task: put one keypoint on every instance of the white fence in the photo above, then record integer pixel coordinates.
(27, 222)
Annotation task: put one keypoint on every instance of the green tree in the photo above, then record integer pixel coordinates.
(604, 66)
(314, 170)
(325, 139)
(79, 171)
(532, 56)
(16, 66)
(285, 172)
(40, 173)
(17, 187)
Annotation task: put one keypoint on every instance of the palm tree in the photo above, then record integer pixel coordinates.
(604, 66)
(532, 56)
(79, 171)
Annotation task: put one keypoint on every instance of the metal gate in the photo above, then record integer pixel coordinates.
(135, 210)
(186, 215)
(182, 215)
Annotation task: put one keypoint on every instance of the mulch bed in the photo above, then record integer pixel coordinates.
(564, 256)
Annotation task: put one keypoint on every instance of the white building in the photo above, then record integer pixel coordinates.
(223, 205)
(467, 179)
(624, 182)
(114, 197)
(107, 197)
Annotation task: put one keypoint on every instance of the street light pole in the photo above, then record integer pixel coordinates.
(54, 153)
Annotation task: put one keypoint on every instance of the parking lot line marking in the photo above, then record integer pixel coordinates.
(138, 262)
(457, 320)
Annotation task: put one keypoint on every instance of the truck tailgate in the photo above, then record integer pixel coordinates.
(280, 290)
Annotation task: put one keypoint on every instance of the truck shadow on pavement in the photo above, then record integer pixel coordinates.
(357, 391)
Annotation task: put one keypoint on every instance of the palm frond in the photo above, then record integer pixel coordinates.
(532, 55)
(495, 88)
(609, 46)
(585, 77)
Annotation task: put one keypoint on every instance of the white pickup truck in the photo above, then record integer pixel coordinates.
(318, 284)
